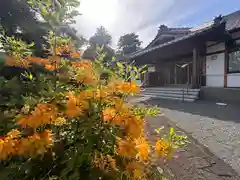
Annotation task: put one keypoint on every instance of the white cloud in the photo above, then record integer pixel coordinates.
(124, 16)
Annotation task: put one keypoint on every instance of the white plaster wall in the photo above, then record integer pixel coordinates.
(233, 80)
(215, 70)
(217, 47)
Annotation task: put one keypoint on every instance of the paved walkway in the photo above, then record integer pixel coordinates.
(193, 162)
(216, 127)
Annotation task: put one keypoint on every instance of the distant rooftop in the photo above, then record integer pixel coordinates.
(232, 21)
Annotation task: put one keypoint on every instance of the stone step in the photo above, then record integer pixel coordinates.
(182, 94)
(172, 89)
(171, 92)
(170, 98)
(171, 95)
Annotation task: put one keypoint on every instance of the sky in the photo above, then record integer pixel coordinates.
(145, 16)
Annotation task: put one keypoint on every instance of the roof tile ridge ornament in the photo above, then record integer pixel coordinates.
(218, 20)
(163, 28)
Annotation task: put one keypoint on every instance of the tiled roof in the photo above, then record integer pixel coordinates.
(174, 32)
(191, 34)
(232, 21)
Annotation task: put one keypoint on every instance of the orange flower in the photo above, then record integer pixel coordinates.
(134, 127)
(14, 133)
(82, 64)
(36, 144)
(75, 106)
(43, 114)
(64, 49)
(143, 148)
(163, 148)
(7, 148)
(67, 50)
(135, 170)
(127, 87)
(87, 77)
(50, 67)
(134, 87)
(16, 62)
(126, 148)
(109, 114)
(75, 54)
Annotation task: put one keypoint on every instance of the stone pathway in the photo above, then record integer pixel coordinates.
(194, 162)
(216, 127)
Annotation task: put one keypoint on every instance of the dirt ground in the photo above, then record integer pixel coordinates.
(194, 162)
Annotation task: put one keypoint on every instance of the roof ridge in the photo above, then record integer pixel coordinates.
(232, 13)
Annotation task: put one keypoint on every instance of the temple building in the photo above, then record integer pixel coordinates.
(204, 56)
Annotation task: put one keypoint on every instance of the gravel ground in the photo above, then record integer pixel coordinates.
(216, 127)
(194, 162)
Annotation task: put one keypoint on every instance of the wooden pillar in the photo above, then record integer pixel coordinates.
(175, 73)
(226, 66)
(146, 79)
(194, 67)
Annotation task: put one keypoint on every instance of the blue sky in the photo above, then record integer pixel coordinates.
(145, 16)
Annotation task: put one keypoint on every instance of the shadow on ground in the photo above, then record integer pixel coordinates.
(230, 112)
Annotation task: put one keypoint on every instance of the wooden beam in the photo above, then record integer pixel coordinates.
(194, 67)
(226, 66)
(175, 73)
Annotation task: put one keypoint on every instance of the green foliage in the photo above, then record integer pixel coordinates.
(101, 37)
(129, 43)
(176, 141)
(128, 71)
(81, 137)
(144, 112)
(15, 47)
(56, 12)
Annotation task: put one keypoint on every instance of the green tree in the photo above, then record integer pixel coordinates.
(101, 37)
(129, 43)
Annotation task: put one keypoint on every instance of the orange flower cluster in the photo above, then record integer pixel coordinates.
(15, 145)
(85, 73)
(15, 62)
(82, 64)
(76, 105)
(43, 114)
(122, 116)
(163, 148)
(133, 145)
(51, 63)
(126, 148)
(125, 87)
(87, 77)
(67, 50)
(143, 148)
(35, 145)
(8, 144)
(135, 170)
(138, 148)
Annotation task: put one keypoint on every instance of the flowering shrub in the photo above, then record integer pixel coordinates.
(79, 125)
(86, 127)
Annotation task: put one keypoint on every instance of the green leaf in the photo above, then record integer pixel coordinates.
(143, 72)
(120, 65)
(135, 69)
(172, 131)
(158, 130)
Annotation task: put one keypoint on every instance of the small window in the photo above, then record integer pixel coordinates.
(234, 62)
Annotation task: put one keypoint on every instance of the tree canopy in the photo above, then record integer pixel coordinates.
(21, 20)
(101, 37)
(129, 43)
